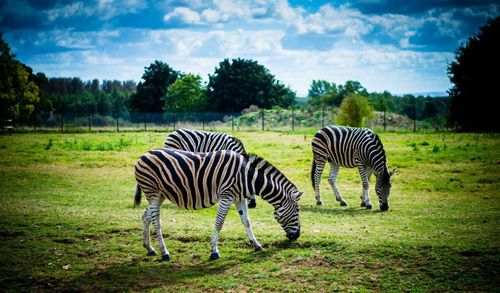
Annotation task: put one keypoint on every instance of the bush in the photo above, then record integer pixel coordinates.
(354, 110)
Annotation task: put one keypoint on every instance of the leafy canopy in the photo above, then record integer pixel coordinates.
(18, 92)
(475, 74)
(186, 94)
(239, 83)
(152, 90)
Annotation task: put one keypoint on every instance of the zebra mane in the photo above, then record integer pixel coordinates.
(263, 164)
(238, 141)
(376, 140)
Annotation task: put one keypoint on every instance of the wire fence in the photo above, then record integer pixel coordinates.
(260, 120)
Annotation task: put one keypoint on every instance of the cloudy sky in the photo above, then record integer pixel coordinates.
(399, 46)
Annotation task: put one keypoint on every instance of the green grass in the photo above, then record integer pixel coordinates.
(67, 221)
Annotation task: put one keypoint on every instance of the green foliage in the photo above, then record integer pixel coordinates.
(186, 94)
(354, 110)
(67, 221)
(322, 93)
(18, 93)
(240, 83)
(156, 80)
(475, 73)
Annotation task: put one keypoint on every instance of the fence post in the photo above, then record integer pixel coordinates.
(62, 122)
(385, 120)
(203, 120)
(323, 118)
(89, 121)
(175, 118)
(144, 118)
(293, 120)
(262, 118)
(415, 113)
(232, 123)
(117, 124)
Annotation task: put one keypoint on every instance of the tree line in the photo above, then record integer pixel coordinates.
(235, 85)
(239, 83)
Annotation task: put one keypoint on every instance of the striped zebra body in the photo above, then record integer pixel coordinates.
(206, 141)
(351, 147)
(199, 180)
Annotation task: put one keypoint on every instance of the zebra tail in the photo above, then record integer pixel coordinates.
(312, 173)
(138, 193)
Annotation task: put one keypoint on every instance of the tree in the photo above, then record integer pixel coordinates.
(475, 73)
(239, 83)
(186, 94)
(350, 87)
(354, 110)
(18, 93)
(322, 92)
(156, 80)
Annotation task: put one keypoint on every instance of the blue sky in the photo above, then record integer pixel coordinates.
(399, 46)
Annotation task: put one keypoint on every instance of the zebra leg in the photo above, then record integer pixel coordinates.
(245, 219)
(251, 202)
(365, 174)
(318, 166)
(155, 218)
(146, 220)
(224, 205)
(332, 179)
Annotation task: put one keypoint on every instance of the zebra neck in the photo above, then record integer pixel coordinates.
(269, 186)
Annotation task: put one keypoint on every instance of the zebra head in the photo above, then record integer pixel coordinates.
(383, 188)
(287, 214)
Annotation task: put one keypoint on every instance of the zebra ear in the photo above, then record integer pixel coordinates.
(298, 195)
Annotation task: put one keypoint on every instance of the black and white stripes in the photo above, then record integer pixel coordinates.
(199, 180)
(351, 147)
(205, 141)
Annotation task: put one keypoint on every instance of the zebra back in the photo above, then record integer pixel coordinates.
(203, 141)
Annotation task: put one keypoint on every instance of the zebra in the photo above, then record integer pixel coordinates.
(199, 180)
(351, 147)
(206, 141)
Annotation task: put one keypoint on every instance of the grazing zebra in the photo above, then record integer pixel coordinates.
(205, 141)
(199, 180)
(351, 147)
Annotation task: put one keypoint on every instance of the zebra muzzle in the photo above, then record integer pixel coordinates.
(293, 235)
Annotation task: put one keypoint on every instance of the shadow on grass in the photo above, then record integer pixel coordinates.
(331, 210)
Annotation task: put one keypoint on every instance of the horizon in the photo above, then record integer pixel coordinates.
(404, 48)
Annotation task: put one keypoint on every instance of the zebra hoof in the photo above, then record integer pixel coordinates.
(319, 203)
(343, 204)
(258, 248)
(368, 206)
(363, 204)
(151, 253)
(165, 257)
(252, 204)
(214, 256)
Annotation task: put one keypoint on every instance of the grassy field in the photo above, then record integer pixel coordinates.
(67, 222)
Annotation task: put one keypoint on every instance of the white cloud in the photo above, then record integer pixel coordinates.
(104, 9)
(183, 15)
(211, 15)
